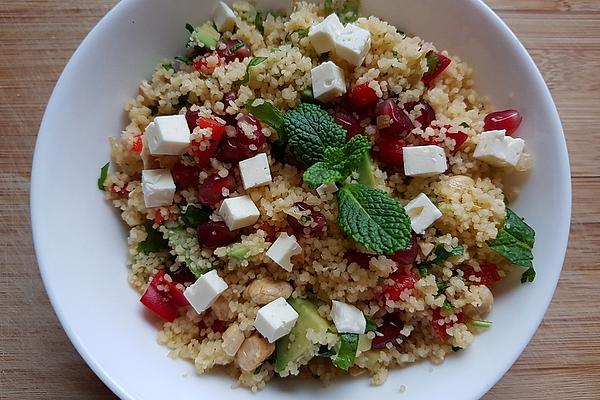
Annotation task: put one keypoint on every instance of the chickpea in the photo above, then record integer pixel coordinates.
(253, 352)
(265, 290)
(487, 301)
(233, 337)
(460, 182)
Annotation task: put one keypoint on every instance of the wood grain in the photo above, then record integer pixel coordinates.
(36, 359)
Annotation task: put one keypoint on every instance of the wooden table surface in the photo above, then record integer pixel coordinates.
(37, 361)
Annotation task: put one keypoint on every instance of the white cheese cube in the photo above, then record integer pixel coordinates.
(499, 150)
(276, 319)
(239, 212)
(282, 250)
(424, 160)
(322, 35)
(158, 187)
(422, 213)
(327, 189)
(224, 17)
(352, 44)
(168, 135)
(347, 318)
(255, 171)
(205, 290)
(327, 81)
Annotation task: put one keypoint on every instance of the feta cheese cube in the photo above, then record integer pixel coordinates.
(205, 290)
(282, 250)
(158, 187)
(276, 319)
(424, 160)
(327, 189)
(239, 212)
(327, 81)
(255, 171)
(422, 213)
(168, 135)
(347, 318)
(499, 150)
(352, 44)
(224, 17)
(322, 35)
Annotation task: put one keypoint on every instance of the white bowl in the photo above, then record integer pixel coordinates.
(80, 240)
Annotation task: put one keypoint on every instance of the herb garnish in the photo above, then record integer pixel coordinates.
(154, 241)
(253, 63)
(103, 175)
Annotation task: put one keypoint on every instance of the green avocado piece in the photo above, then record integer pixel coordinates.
(365, 171)
(300, 349)
(207, 35)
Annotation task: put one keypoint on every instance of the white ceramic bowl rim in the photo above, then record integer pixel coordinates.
(39, 228)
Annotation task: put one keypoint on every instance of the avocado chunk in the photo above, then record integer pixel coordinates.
(300, 349)
(365, 171)
(205, 36)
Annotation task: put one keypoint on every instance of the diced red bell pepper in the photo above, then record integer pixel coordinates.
(201, 63)
(440, 330)
(137, 144)
(403, 280)
(363, 96)
(163, 298)
(203, 156)
(487, 276)
(437, 64)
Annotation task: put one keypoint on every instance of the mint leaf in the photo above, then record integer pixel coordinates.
(184, 60)
(167, 67)
(365, 171)
(265, 112)
(432, 61)
(373, 218)
(371, 325)
(253, 63)
(441, 254)
(515, 241)
(189, 28)
(259, 23)
(302, 33)
(339, 162)
(154, 241)
(103, 175)
(348, 343)
(193, 215)
(310, 130)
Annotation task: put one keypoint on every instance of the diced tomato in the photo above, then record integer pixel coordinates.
(137, 144)
(363, 96)
(459, 138)
(440, 330)
(403, 280)
(203, 156)
(201, 64)
(185, 175)
(163, 298)
(362, 259)
(120, 191)
(270, 230)
(159, 218)
(487, 276)
(437, 64)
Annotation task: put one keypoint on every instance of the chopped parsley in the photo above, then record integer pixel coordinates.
(347, 10)
(154, 242)
(371, 325)
(480, 323)
(259, 23)
(184, 59)
(167, 67)
(103, 175)
(348, 344)
(193, 215)
(253, 63)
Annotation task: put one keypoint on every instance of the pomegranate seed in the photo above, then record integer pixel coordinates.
(229, 98)
(487, 276)
(459, 139)
(506, 119)
(349, 123)
(255, 137)
(137, 144)
(202, 64)
(388, 332)
(215, 234)
(235, 49)
(359, 258)
(436, 63)
(390, 152)
(403, 281)
(182, 275)
(362, 96)
(392, 121)
(210, 192)
(192, 119)
(185, 175)
(309, 223)
(120, 191)
(426, 112)
(270, 230)
(231, 151)
(203, 156)
(409, 255)
(440, 330)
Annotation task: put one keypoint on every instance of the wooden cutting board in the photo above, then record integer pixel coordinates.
(37, 361)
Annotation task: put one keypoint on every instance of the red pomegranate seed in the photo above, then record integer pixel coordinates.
(270, 230)
(229, 98)
(210, 192)
(426, 112)
(182, 275)
(506, 119)
(349, 123)
(436, 63)
(215, 234)
(120, 191)
(235, 49)
(487, 276)
(459, 139)
(192, 119)
(403, 280)
(362, 96)
(254, 140)
(409, 255)
(203, 156)
(201, 63)
(312, 223)
(231, 151)
(359, 258)
(184, 175)
(137, 144)
(390, 152)
(440, 330)
(392, 121)
(388, 332)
